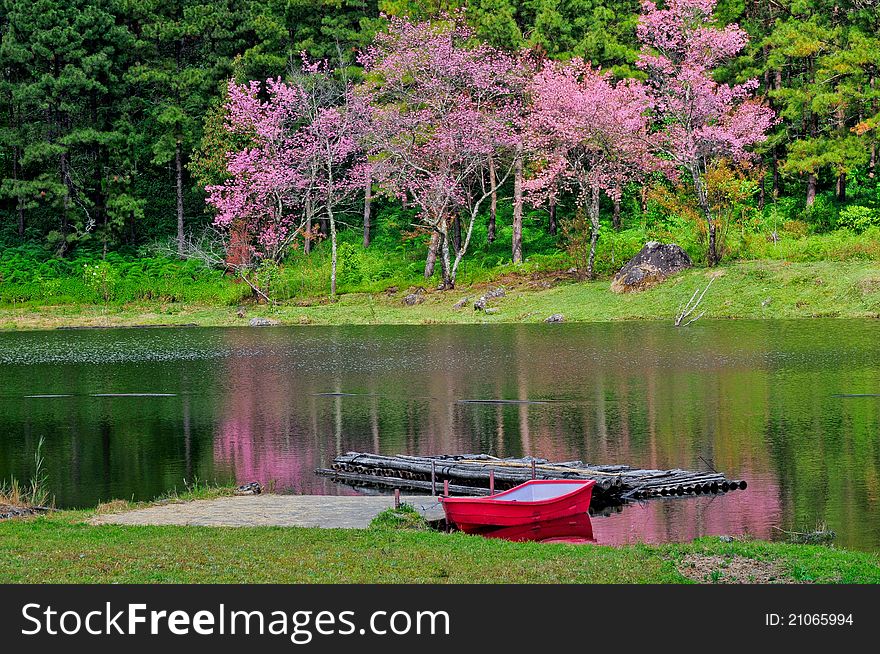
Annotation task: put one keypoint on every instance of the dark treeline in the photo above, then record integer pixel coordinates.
(103, 103)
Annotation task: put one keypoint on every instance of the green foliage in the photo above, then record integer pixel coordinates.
(403, 517)
(822, 214)
(268, 277)
(64, 547)
(100, 277)
(30, 274)
(577, 234)
(858, 218)
(349, 265)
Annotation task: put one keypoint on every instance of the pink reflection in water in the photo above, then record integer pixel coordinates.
(259, 439)
(753, 512)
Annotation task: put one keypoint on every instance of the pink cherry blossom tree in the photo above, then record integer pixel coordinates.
(303, 159)
(259, 204)
(700, 120)
(588, 132)
(443, 108)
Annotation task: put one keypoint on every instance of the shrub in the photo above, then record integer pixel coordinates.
(101, 277)
(348, 264)
(858, 218)
(822, 215)
(796, 228)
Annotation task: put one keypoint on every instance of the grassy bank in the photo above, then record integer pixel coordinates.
(64, 548)
(754, 289)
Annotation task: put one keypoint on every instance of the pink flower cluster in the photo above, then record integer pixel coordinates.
(585, 129)
(701, 118)
(441, 108)
(303, 155)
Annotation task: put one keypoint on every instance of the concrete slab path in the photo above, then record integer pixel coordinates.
(327, 511)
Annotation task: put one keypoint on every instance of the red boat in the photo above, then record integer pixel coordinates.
(574, 529)
(533, 501)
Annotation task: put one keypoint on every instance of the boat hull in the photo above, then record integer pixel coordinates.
(471, 514)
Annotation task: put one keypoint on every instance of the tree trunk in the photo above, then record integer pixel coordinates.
(517, 208)
(19, 204)
(812, 180)
(310, 221)
(841, 187)
(776, 180)
(445, 268)
(368, 200)
(493, 208)
(433, 248)
(761, 192)
(65, 214)
(872, 164)
(456, 234)
(552, 227)
(713, 246)
(178, 165)
(459, 255)
(712, 257)
(615, 216)
(132, 230)
(331, 221)
(594, 228)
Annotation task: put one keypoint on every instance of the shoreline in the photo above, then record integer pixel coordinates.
(743, 290)
(66, 546)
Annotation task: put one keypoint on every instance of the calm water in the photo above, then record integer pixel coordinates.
(788, 406)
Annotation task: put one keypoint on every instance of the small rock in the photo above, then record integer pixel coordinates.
(240, 311)
(253, 488)
(766, 302)
(262, 322)
(413, 299)
(556, 317)
(480, 305)
(461, 304)
(491, 310)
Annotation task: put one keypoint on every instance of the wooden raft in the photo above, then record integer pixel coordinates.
(469, 474)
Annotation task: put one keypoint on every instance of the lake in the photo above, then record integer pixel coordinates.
(793, 407)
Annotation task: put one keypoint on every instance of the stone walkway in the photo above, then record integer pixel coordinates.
(328, 511)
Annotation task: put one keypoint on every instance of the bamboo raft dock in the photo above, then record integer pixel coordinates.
(481, 474)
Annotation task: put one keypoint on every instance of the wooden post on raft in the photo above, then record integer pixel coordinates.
(445, 488)
(491, 482)
(534, 473)
(433, 478)
(396, 498)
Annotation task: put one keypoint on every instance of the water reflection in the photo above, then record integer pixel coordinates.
(788, 406)
(575, 529)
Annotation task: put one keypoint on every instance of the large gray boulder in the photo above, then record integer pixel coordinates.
(653, 264)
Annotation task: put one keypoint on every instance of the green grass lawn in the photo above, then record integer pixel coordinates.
(64, 548)
(755, 289)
